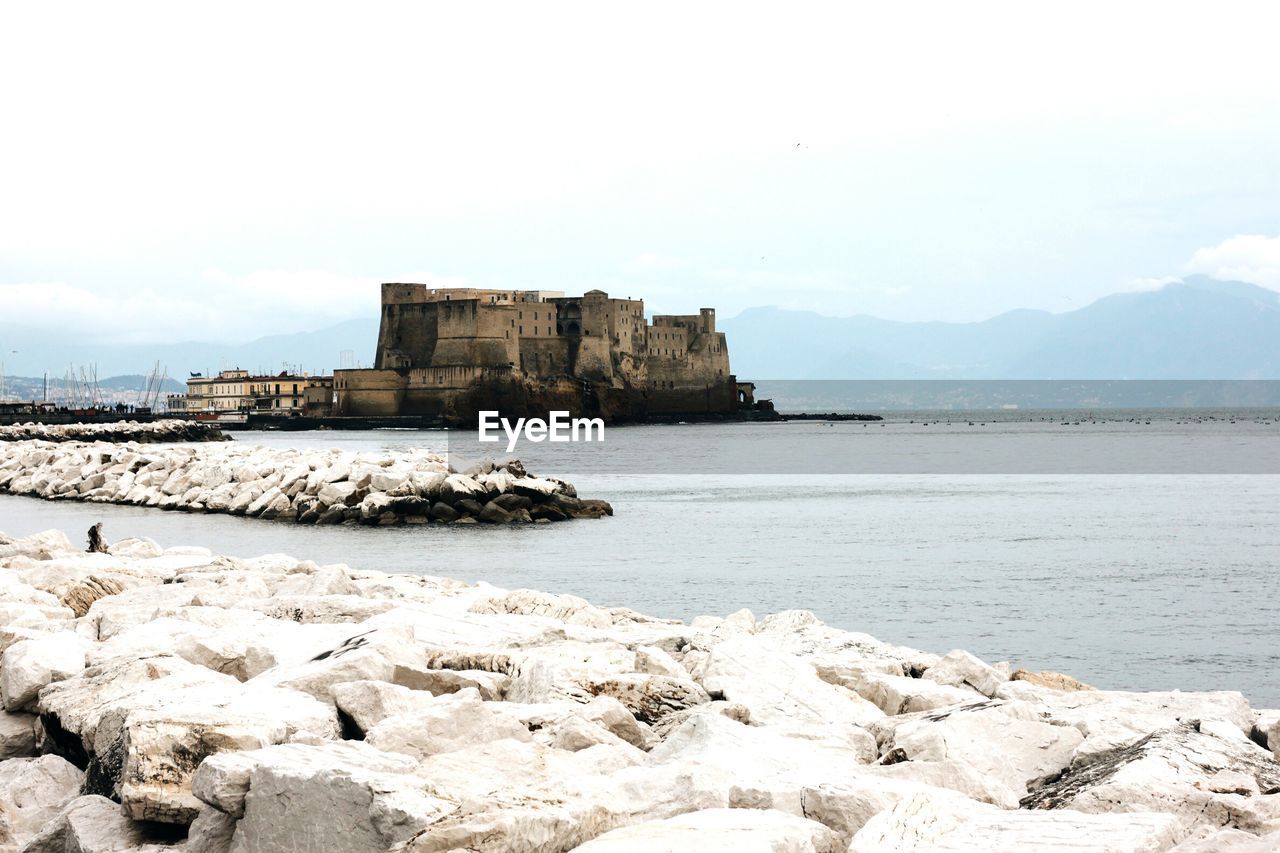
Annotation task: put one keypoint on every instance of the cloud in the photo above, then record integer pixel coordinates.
(223, 307)
(1252, 258)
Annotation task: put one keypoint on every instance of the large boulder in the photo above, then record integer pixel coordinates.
(30, 665)
(32, 791)
(17, 735)
(779, 689)
(960, 669)
(342, 796)
(930, 822)
(445, 724)
(1007, 741)
(727, 830)
(1220, 779)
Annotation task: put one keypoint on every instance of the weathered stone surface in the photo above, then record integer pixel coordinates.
(89, 824)
(1004, 740)
(960, 669)
(1112, 719)
(445, 724)
(340, 796)
(17, 735)
(778, 689)
(1051, 680)
(728, 830)
(30, 665)
(928, 822)
(897, 694)
(1178, 771)
(32, 791)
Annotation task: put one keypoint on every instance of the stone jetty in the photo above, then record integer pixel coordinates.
(174, 700)
(306, 486)
(149, 432)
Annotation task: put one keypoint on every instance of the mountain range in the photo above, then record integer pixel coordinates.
(1198, 328)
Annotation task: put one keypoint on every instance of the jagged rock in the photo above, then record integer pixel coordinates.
(17, 735)
(374, 654)
(778, 689)
(211, 832)
(1112, 719)
(1175, 770)
(161, 747)
(1211, 840)
(492, 686)
(897, 694)
(524, 796)
(760, 767)
(29, 665)
(1051, 680)
(960, 669)
(89, 824)
(32, 791)
(930, 822)
(1266, 731)
(313, 486)
(729, 830)
(340, 796)
(954, 776)
(445, 724)
(1003, 740)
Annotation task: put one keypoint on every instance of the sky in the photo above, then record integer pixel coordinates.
(219, 172)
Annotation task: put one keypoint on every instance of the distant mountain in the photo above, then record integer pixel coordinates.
(317, 352)
(1194, 329)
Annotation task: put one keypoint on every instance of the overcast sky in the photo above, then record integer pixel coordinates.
(176, 171)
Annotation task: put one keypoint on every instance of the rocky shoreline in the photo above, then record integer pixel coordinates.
(147, 432)
(174, 700)
(305, 486)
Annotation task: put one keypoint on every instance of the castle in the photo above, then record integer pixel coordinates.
(448, 353)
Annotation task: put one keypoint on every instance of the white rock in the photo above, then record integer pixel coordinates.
(30, 665)
(1178, 771)
(960, 669)
(446, 724)
(17, 735)
(1007, 741)
(341, 796)
(928, 822)
(728, 830)
(32, 791)
(779, 689)
(897, 694)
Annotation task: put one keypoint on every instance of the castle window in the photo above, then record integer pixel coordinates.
(522, 330)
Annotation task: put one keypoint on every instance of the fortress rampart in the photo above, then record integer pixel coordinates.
(448, 352)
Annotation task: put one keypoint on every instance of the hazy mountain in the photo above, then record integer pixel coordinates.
(316, 352)
(1195, 329)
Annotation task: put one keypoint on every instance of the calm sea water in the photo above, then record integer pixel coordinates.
(1127, 581)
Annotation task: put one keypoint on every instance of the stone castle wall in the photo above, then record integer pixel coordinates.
(434, 346)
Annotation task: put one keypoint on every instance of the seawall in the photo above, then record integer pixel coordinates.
(305, 486)
(172, 699)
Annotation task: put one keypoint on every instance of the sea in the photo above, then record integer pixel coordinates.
(1052, 539)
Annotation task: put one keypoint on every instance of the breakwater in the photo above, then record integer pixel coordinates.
(178, 699)
(141, 432)
(310, 487)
